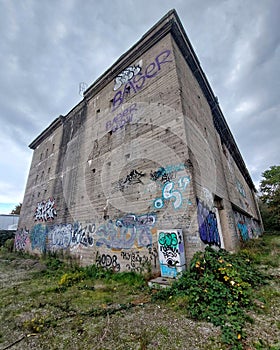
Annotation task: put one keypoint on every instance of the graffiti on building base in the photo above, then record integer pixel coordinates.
(82, 235)
(21, 239)
(63, 236)
(59, 236)
(107, 261)
(38, 237)
(45, 210)
(246, 227)
(208, 226)
(139, 262)
(171, 252)
(126, 232)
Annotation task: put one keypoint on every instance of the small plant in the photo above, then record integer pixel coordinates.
(71, 278)
(36, 324)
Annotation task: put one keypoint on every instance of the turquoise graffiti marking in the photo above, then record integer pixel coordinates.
(38, 237)
(170, 193)
(243, 229)
(168, 240)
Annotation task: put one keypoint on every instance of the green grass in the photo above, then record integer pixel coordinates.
(47, 303)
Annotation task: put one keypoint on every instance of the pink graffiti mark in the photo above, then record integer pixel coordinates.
(21, 239)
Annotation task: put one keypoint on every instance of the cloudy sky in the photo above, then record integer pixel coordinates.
(48, 47)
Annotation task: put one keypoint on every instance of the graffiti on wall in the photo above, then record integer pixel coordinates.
(38, 237)
(173, 191)
(134, 177)
(171, 251)
(21, 239)
(240, 188)
(208, 225)
(247, 227)
(45, 210)
(126, 232)
(127, 74)
(137, 82)
(107, 261)
(162, 175)
(135, 261)
(82, 235)
(59, 236)
(121, 119)
(74, 235)
(165, 174)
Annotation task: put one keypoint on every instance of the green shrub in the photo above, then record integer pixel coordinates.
(9, 244)
(218, 286)
(6, 235)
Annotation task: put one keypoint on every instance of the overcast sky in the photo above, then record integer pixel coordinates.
(48, 47)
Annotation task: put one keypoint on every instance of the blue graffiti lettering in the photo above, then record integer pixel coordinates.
(208, 227)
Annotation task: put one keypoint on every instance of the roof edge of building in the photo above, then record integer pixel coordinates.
(53, 126)
(159, 30)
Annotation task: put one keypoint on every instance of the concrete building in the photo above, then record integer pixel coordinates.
(144, 171)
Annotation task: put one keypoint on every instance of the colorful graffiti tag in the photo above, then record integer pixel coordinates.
(21, 239)
(45, 210)
(173, 192)
(208, 226)
(126, 232)
(240, 188)
(171, 252)
(167, 173)
(59, 236)
(38, 237)
(74, 235)
(247, 227)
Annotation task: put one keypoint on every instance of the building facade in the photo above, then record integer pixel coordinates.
(144, 171)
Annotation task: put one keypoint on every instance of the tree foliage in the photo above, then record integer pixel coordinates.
(270, 197)
(17, 209)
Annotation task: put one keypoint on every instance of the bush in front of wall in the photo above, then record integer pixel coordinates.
(218, 288)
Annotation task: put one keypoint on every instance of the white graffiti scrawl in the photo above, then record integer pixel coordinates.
(45, 210)
(126, 75)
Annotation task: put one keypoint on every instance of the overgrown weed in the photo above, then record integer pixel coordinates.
(218, 288)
